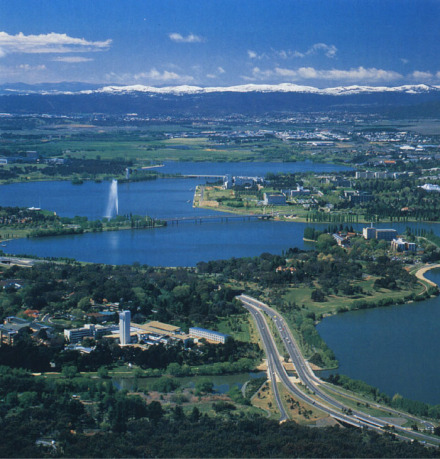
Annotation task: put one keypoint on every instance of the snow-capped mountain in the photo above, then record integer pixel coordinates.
(254, 99)
(264, 88)
(83, 88)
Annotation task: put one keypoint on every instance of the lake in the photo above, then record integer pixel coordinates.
(182, 245)
(394, 349)
(403, 339)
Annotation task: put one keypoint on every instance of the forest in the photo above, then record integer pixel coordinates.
(88, 418)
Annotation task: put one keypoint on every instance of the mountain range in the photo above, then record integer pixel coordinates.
(255, 99)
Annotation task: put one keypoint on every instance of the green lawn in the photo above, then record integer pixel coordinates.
(302, 295)
(236, 326)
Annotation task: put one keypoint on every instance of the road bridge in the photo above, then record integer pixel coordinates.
(221, 218)
(203, 176)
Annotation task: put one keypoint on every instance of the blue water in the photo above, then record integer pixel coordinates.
(157, 198)
(182, 245)
(179, 245)
(393, 348)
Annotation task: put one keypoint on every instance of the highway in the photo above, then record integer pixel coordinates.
(313, 393)
(270, 349)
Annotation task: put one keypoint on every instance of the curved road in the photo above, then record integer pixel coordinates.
(270, 349)
(323, 401)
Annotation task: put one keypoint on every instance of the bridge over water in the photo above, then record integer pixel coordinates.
(222, 176)
(220, 218)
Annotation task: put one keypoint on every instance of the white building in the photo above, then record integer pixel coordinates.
(379, 233)
(197, 332)
(124, 327)
(76, 335)
(300, 191)
(369, 233)
(430, 187)
(274, 199)
(399, 245)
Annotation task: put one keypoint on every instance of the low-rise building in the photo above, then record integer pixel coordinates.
(382, 234)
(341, 239)
(274, 199)
(386, 234)
(299, 191)
(197, 332)
(76, 335)
(360, 197)
(400, 245)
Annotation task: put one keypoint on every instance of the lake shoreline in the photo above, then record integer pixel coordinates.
(420, 274)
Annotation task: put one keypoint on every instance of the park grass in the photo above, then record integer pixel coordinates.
(302, 296)
(10, 232)
(264, 400)
(298, 411)
(139, 148)
(368, 406)
(238, 326)
(207, 407)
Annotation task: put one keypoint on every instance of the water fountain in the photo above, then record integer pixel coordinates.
(112, 205)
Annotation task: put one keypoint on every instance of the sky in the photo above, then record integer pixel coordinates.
(321, 43)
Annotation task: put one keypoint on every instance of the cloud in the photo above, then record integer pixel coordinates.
(72, 59)
(154, 76)
(191, 38)
(219, 71)
(359, 74)
(404, 61)
(285, 72)
(354, 75)
(22, 72)
(30, 68)
(328, 50)
(418, 75)
(261, 74)
(48, 43)
(162, 76)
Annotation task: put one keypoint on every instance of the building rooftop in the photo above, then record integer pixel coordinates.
(208, 331)
(157, 327)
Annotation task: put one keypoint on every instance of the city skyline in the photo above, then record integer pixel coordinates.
(166, 43)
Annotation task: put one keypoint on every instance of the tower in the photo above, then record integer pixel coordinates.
(124, 327)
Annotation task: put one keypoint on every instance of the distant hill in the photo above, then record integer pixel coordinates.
(69, 98)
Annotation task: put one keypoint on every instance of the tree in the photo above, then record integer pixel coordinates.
(318, 295)
(325, 242)
(204, 386)
(103, 372)
(69, 371)
(155, 411)
(195, 415)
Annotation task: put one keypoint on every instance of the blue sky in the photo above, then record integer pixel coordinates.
(220, 42)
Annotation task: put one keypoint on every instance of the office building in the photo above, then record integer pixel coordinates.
(124, 327)
(196, 332)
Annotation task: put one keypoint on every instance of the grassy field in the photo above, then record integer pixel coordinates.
(237, 326)
(140, 149)
(300, 412)
(302, 296)
(264, 399)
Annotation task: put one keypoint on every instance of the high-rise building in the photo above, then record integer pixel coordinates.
(124, 327)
